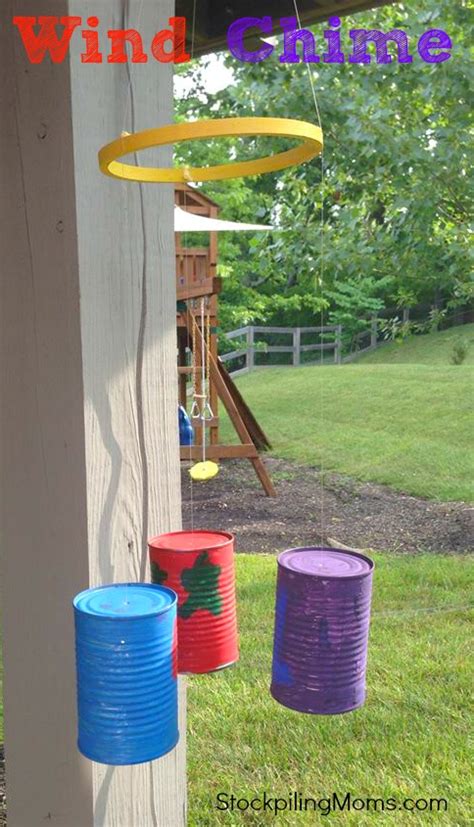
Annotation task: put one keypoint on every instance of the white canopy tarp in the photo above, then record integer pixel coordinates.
(185, 222)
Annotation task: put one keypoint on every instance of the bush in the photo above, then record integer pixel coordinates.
(395, 330)
(459, 352)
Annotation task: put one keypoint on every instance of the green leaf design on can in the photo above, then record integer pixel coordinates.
(158, 575)
(202, 584)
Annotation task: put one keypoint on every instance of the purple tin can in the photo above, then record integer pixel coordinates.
(322, 619)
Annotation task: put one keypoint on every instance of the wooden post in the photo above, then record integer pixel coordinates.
(296, 346)
(338, 345)
(373, 332)
(183, 374)
(406, 315)
(250, 357)
(213, 395)
(213, 241)
(198, 424)
(89, 442)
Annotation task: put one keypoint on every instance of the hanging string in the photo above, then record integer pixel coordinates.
(129, 96)
(191, 345)
(310, 76)
(395, 613)
(129, 90)
(203, 383)
(191, 489)
(208, 362)
(468, 607)
(320, 278)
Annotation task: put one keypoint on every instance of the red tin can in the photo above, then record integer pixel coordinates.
(199, 567)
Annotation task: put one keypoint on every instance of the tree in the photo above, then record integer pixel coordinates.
(384, 215)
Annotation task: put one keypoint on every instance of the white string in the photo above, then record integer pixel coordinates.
(203, 383)
(388, 613)
(189, 321)
(128, 94)
(321, 275)
(423, 610)
(311, 81)
(191, 489)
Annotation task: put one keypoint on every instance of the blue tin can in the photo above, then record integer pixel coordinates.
(126, 660)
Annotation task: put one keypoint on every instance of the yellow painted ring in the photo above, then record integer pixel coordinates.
(220, 128)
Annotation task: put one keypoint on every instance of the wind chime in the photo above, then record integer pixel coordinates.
(128, 714)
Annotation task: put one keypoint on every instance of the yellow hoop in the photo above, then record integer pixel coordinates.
(195, 130)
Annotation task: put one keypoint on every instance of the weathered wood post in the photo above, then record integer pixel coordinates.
(250, 355)
(89, 444)
(296, 346)
(373, 331)
(338, 345)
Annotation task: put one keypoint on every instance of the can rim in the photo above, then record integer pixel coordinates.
(358, 554)
(89, 754)
(156, 542)
(151, 613)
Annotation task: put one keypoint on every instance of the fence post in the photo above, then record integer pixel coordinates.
(373, 332)
(250, 359)
(338, 345)
(296, 346)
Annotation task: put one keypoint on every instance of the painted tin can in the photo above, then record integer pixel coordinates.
(126, 660)
(199, 567)
(322, 621)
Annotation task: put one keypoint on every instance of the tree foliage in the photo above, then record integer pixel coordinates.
(383, 218)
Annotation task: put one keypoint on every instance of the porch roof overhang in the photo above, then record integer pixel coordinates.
(213, 17)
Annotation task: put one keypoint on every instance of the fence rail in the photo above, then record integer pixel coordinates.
(254, 345)
(253, 342)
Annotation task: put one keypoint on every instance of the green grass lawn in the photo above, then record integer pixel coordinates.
(404, 422)
(434, 349)
(408, 741)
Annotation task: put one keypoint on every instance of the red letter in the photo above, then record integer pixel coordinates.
(118, 53)
(92, 54)
(177, 35)
(47, 40)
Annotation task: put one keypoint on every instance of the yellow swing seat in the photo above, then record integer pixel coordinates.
(203, 471)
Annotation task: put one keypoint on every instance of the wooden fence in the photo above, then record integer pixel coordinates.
(252, 341)
(364, 342)
(253, 344)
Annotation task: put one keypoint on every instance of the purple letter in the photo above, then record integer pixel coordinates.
(334, 54)
(235, 38)
(361, 36)
(425, 44)
(291, 35)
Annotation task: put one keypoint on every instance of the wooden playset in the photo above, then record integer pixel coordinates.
(197, 288)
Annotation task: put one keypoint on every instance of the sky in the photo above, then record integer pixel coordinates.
(216, 77)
